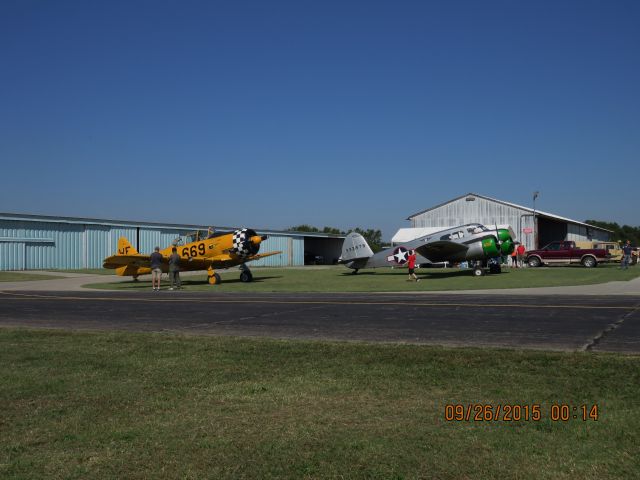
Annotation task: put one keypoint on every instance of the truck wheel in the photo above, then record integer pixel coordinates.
(589, 262)
(534, 262)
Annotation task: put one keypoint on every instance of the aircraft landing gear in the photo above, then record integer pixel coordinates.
(354, 272)
(245, 274)
(213, 277)
(478, 269)
(135, 278)
(495, 268)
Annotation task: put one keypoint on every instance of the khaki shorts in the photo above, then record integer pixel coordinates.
(156, 271)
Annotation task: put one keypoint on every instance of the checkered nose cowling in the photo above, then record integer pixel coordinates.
(242, 245)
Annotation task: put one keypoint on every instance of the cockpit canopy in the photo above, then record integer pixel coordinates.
(196, 236)
(476, 228)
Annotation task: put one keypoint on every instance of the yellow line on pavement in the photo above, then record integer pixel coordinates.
(20, 296)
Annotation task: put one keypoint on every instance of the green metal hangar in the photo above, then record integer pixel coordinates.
(37, 242)
(532, 227)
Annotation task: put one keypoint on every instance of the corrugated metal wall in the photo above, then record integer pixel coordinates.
(487, 212)
(578, 233)
(480, 210)
(97, 245)
(38, 245)
(33, 244)
(292, 251)
(11, 255)
(151, 238)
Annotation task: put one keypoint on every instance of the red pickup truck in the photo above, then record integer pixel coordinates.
(566, 252)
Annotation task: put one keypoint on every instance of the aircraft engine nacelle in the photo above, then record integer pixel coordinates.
(246, 242)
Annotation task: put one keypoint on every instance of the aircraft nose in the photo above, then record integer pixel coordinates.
(257, 239)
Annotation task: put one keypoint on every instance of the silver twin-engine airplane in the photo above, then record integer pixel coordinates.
(473, 243)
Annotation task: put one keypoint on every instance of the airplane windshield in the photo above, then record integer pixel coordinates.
(453, 236)
(195, 236)
(473, 229)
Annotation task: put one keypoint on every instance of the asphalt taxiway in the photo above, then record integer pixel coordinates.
(549, 322)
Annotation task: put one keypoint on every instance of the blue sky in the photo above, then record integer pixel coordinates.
(272, 114)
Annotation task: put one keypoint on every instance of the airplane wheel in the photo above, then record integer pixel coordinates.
(246, 277)
(215, 279)
(495, 268)
(135, 278)
(478, 272)
(354, 272)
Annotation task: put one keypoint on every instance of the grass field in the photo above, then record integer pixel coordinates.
(23, 277)
(109, 405)
(89, 271)
(339, 279)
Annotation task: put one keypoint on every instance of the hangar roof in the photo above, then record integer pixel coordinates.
(515, 205)
(128, 223)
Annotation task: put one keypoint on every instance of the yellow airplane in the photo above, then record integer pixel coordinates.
(204, 251)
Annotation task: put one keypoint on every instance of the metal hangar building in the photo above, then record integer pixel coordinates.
(39, 242)
(533, 228)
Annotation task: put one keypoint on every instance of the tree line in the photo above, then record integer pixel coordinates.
(620, 233)
(373, 237)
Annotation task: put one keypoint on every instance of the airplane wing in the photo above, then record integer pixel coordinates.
(115, 261)
(188, 264)
(442, 250)
(223, 260)
(262, 255)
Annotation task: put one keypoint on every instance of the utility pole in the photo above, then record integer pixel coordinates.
(535, 223)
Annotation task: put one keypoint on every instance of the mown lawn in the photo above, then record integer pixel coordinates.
(90, 271)
(111, 405)
(24, 277)
(340, 279)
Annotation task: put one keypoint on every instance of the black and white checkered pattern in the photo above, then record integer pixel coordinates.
(240, 243)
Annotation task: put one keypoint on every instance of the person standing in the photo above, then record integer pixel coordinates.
(156, 268)
(411, 263)
(626, 255)
(521, 251)
(514, 258)
(174, 269)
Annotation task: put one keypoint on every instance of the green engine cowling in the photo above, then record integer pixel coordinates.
(506, 245)
(490, 247)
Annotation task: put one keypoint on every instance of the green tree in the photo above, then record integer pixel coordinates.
(373, 238)
(303, 228)
(620, 233)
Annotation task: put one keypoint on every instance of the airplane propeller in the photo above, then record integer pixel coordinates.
(248, 242)
(501, 242)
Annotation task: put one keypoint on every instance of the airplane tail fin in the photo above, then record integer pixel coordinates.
(355, 251)
(125, 247)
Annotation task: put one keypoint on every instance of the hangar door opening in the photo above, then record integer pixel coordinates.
(322, 251)
(550, 231)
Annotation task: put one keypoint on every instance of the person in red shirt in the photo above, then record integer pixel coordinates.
(411, 263)
(521, 251)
